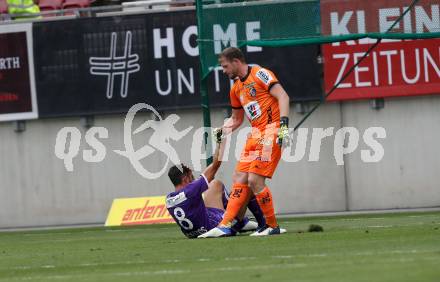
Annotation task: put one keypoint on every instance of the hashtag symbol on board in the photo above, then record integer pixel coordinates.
(113, 66)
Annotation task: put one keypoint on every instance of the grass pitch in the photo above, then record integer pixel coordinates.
(386, 247)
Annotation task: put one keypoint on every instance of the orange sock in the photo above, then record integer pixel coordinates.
(239, 195)
(264, 199)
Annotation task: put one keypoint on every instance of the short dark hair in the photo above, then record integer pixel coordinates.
(231, 53)
(176, 174)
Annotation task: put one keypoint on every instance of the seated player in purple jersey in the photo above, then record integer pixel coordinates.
(198, 205)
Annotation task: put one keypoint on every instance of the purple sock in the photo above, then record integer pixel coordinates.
(240, 224)
(225, 197)
(256, 211)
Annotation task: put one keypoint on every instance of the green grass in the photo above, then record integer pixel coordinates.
(392, 247)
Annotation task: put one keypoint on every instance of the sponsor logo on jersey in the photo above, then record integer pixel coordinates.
(174, 201)
(252, 110)
(249, 85)
(264, 76)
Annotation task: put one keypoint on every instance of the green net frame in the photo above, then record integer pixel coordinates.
(223, 23)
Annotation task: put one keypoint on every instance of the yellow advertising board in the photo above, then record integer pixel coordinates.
(135, 211)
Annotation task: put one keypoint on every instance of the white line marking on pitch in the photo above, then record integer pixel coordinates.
(22, 267)
(172, 260)
(160, 272)
(282, 257)
(240, 258)
(257, 267)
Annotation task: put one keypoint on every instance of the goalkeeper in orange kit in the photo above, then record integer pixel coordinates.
(257, 93)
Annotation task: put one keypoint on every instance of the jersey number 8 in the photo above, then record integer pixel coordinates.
(185, 223)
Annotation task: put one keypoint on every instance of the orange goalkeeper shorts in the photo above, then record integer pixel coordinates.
(261, 153)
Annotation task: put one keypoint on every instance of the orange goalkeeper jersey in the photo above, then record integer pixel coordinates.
(252, 94)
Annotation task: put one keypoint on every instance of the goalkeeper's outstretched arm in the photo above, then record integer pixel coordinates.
(234, 121)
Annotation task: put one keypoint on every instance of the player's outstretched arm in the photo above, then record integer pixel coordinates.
(234, 121)
(212, 169)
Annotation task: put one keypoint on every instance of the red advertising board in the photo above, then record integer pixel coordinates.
(17, 83)
(394, 67)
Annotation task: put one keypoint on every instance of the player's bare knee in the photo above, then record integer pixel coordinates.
(240, 177)
(216, 185)
(252, 183)
(256, 183)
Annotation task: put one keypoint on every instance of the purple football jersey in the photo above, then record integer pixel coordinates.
(187, 208)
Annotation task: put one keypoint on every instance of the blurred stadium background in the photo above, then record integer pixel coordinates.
(50, 78)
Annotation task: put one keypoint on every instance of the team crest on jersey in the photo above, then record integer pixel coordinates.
(253, 92)
(264, 76)
(250, 86)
